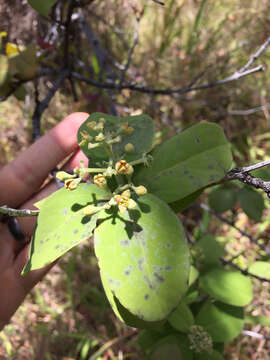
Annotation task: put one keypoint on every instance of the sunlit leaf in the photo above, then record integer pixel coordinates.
(260, 268)
(187, 162)
(230, 287)
(61, 224)
(143, 255)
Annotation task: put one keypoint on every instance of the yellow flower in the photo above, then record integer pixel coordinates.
(100, 180)
(124, 168)
(140, 190)
(11, 49)
(72, 184)
(124, 201)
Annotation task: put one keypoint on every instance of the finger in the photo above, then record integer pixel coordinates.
(27, 224)
(21, 178)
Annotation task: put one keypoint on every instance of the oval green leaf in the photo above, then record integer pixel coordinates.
(252, 203)
(141, 138)
(189, 161)
(143, 255)
(230, 287)
(211, 249)
(223, 322)
(61, 224)
(222, 199)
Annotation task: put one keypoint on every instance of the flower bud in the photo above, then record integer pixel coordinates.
(100, 180)
(129, 148)
(200, 340)
(72, 184)
(91, 125)
(140, 190)
(124, 168)
(89, 210)
(100, 137)
(62, 176)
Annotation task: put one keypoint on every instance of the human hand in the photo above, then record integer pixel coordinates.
(21, 186)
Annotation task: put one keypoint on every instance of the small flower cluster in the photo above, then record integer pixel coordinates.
(124, 197)
(200, 340)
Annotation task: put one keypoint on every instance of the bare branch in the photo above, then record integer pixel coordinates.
(255, 56)
(41, 106)
(168, 91)
(15, 212)
(242, 174)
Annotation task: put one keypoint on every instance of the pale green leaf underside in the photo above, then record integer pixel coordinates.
(61, 224)
(146, 262)
(187, 162)
(260, 268)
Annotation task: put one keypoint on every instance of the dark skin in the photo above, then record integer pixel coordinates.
(21, 186)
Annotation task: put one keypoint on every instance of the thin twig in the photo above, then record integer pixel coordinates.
(243, 271)
(168, 91)
(255, 335)
(251, 167)
(228, 222)
(15, 212)
(255, 56)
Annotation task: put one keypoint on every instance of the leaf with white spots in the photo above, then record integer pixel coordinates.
(187, 162)
(61, 224)
(144, 258)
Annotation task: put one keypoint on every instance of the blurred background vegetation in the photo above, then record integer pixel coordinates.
(180, 44)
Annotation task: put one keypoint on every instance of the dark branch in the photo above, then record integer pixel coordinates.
(147, 90)
(228, 222)
(41, 106)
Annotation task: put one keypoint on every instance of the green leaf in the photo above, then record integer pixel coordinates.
(182, 318)
(257, 320)
(147, 339)
(260, 268)
(141, 138)
(214, 355)
(25, 64)
(263, 174)
(144, 257)
(43, 7)
(222, 198)
(189, 161)
(123, 314)
(173, 347)
(3, 69)
(193, 275)
(61, 224)
(223, 322)
(180, 205)
(211, 249)
(252, 203)
(230, 287)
